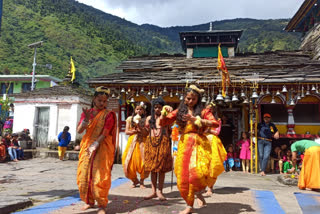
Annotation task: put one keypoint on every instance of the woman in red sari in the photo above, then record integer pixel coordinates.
(193, 166)
(96, 151)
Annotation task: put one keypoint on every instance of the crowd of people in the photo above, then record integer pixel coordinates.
(200, 157)
(10, 146)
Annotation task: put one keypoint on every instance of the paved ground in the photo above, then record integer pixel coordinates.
(43, 180)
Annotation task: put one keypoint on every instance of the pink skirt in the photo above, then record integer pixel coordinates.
(245, 154)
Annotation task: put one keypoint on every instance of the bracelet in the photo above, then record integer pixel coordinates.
(84, 123)
(198, 121)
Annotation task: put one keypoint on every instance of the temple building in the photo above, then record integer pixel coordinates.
(284, 84)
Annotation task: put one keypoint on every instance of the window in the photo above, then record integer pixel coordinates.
(6, 88)
(306, 113)
(26, 87)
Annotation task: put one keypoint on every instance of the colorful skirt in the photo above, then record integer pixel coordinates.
(310, 172)
(157, 155)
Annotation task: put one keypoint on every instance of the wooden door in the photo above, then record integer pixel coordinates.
(42, 126)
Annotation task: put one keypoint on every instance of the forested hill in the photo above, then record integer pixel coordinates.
(98, 41)
(258, 35)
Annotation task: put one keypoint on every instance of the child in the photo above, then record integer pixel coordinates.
(133, 156)
(245, 154)
(282, 152)
(275, 157)
(229, 159)
(287, 162)
(64, 139)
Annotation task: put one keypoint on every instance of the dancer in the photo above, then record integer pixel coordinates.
(218, 151)
(193, 166)
(158, 159)
(133, 155)
(97, 149)
(310, 172)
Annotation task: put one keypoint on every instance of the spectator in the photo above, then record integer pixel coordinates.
(64, 139)
(7, 127)
(275, 157)
(12, 149)
(3, 148)
(20, 155)
(266, 131)
(226, 132)
(287, 161)
(229, 161)
(282, 153)
(245, 154)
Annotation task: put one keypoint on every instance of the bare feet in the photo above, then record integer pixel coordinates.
(135, 183)
(87, 206)
(15, 160)
(186, 210)
(142, 186)
(209, 192)
(101, 211)
(153, 195)
(161, 196)
(201, 202)
(262, 173)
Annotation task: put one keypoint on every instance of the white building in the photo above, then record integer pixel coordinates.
(45, 112)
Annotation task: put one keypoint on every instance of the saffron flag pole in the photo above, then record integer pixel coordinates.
(225, 78)
(72, 70)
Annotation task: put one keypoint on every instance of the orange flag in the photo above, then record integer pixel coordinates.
(225, 78)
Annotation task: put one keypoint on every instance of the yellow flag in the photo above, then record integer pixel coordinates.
(72, 70)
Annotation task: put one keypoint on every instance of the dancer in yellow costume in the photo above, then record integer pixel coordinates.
(218, 151)
(193, 166)
(133, 156)
(96, 151)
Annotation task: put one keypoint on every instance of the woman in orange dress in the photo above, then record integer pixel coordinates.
(3, 148)
(218, 151)
(133, 155)
(97, 150)
(193, 166)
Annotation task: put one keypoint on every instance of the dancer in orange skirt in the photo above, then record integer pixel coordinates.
(193, 165)
(218, 151)
(158, 159)
(133, 155)
(310, 172)
(97, 149)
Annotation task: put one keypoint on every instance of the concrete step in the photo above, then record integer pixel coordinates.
(44, 153)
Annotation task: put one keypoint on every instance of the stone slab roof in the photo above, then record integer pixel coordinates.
(272, 67)
(59, 90)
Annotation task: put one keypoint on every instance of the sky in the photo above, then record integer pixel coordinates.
(167, 13)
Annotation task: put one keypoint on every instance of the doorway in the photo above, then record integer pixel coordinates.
(42, 126)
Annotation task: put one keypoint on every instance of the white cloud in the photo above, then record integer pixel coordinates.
(191, 12)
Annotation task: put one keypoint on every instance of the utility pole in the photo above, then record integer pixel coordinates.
(35, 46)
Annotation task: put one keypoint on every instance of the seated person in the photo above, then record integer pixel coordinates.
(274, 158)
(283, 152)
(20, 155)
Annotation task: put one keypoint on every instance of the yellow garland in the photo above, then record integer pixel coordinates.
(164, 111)
(198, 121)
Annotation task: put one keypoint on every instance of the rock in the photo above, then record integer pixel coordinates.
(288, 180)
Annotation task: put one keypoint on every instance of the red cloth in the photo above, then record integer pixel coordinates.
(109, 121)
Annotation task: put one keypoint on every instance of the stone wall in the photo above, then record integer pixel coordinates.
(311, 42)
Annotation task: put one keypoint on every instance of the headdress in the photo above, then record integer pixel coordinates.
(195, 88)
(103, 90)
(142, 104)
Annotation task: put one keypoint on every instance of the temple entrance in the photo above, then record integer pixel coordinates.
(231, 125)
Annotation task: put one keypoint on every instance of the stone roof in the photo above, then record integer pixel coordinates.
(28, 78)
(59, 90)
(272, 67)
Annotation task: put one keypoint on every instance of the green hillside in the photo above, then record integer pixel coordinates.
(258, 35)
(98, 41)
